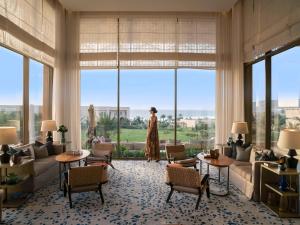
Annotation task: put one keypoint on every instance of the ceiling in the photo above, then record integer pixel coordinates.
(149, 5)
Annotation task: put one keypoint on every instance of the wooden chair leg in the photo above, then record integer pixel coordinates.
(100, 192)
(65, 189)
(170, 194)
(199, 199)
(207, 192)
(70, 197)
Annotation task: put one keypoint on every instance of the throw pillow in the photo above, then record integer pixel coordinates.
(265, 155)
(41, 152)
(243, 154)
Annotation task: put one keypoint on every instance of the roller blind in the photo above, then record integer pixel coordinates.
(148, 41)
(28, 26)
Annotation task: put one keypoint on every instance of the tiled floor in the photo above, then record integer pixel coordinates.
(136, 194)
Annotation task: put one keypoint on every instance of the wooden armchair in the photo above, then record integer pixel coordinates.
(84, 179)
(176, 154)
(101, 152)
(187, 180)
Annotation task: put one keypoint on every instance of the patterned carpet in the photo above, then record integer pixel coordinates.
(136, 194)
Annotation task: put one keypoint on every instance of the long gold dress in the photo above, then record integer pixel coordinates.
(152, 144)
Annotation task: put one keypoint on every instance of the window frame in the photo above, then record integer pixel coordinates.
(248, 90)
(47, 92)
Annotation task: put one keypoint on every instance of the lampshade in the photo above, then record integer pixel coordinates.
(49, 125)
(239, 128)
(289, 139)
(8, 135)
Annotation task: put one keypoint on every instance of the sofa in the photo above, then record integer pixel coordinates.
(246, 175)
(45, 169)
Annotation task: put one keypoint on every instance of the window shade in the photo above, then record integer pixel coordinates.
(148, 41)
(28, 26)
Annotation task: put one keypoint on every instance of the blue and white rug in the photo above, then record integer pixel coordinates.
(136, 194)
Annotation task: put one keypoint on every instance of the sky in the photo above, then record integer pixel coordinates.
(140, 89)
(285, 78)
(11, 79)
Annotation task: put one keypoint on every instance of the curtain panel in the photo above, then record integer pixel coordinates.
(28, 27)
(147, 41)
(230, 75)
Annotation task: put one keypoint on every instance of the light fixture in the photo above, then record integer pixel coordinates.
(8, 135)
(239, 128)
(290, 139)
(49, 126)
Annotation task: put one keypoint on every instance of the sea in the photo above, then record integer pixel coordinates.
(186, 114)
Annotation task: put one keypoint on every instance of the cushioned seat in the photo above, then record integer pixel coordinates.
(243, 171)
(241, 163)
(42, 165)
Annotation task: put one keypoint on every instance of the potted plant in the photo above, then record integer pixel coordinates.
(62, 129)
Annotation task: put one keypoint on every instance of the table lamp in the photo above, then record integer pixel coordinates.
(239, 128)
(290, 139)
(8, 135)
(49, 126)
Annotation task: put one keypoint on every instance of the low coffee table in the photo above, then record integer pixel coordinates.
(67, 158)
(221, 162)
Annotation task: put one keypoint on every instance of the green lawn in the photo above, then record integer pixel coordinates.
(139, 135)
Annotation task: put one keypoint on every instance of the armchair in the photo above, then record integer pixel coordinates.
(101, 152)
(84, 179)
(187, 180)
(176, 154)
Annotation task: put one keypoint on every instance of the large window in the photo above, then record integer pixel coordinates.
(11, 91)
(275, 95)
(285, 91)
(196, 108)
(99, 88)
(141, 89)
(258, 104)
(35, 99)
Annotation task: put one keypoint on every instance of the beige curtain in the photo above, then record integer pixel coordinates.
(72, 81)
(269, 25)
(149, 40)
(59, 68)
(29, 28)
(224, 79)
(229, 76)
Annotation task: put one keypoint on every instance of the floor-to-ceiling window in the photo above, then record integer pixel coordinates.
(275, 94)
(285, 92)
(140, 90)
(258, 103)
(36, 71)
(11, 91)
(99, 89)
(196, 108)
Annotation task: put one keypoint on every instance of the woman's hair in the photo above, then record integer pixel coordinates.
(153, 109)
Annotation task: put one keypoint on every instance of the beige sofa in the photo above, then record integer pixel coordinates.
(45, 169)
(246, 175)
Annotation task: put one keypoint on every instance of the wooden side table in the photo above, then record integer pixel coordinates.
(24, 170)
(283, 203)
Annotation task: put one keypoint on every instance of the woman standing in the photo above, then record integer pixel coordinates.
(152, 151)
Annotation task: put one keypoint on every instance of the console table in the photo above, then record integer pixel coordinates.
(283, 203)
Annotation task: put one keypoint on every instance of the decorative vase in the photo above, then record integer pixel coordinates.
(63, 139)
(283, 183)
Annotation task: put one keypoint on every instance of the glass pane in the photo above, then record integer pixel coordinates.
(99, 88)
(140, 90)
(35, 99)
(258, 104)
(196, 109)
(11, 91)
(285, 91)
